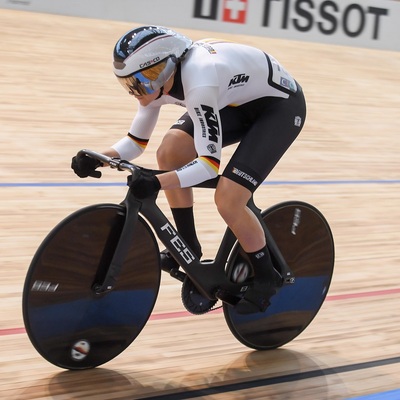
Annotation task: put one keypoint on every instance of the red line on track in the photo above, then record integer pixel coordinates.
(11, 331)
(181, 314)
(375, 293)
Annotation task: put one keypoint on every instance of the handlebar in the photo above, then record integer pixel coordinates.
(135, 170)
(113, 162)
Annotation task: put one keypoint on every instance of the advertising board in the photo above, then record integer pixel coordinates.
(359, 23)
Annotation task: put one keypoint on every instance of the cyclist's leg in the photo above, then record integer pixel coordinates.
(231, 199)
(176, 150)
(276, 124)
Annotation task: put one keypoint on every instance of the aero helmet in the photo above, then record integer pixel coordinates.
(146, 57)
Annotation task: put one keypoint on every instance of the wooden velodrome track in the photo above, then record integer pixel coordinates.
(58, 95)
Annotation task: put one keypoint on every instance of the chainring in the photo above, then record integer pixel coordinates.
(193, 300)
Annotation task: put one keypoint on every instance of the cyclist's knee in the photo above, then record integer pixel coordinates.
(166, 152)
(230, 198)
(224, 206)
(176, 150)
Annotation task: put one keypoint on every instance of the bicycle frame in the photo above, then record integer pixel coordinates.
(208, 276)
(106, 279)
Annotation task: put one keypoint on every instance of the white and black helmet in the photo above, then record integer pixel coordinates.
(146, 57)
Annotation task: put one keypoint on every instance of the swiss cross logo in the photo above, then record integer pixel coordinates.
(232, 10)
(235, 11)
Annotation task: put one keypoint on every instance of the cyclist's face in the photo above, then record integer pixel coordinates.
(146, 99)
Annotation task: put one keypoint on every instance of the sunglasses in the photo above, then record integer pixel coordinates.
(138, 85)
(150, 79)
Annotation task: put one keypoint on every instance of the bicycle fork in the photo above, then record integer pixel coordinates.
(112, 260)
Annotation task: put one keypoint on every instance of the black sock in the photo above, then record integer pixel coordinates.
(262, 264)
(184, 220)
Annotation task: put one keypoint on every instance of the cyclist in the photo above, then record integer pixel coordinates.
(233, 93)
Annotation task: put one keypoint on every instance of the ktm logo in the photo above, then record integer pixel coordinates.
(239, 78)
(212, 123)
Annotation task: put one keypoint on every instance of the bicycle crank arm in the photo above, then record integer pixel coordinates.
(227, 297)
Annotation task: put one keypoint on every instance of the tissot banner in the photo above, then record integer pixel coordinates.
(359, 23)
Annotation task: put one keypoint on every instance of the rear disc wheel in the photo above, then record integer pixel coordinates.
(305, 240)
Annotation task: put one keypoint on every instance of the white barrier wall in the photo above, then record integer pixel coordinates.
(359, 23)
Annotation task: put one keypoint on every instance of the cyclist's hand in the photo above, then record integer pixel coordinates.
(144, 186)
(85, 166)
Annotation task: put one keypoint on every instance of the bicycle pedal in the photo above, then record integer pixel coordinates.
(227, 297)
(256, 299)
(245, 306)
(167, 262)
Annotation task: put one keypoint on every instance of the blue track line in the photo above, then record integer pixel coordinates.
(270, 183)
(390, 395)
(338, 182)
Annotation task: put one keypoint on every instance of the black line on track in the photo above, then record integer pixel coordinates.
(231, 387)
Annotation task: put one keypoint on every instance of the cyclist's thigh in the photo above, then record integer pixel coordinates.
(271, 134)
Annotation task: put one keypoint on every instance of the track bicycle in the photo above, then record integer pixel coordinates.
(94, 280)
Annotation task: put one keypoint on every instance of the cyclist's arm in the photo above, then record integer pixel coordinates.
(169, 180)
(134, 144)
(202, 106)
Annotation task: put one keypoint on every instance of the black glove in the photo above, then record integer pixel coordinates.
(144, 186)
(85, 166)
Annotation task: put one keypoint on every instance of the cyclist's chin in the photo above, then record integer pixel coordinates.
(148, 98)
